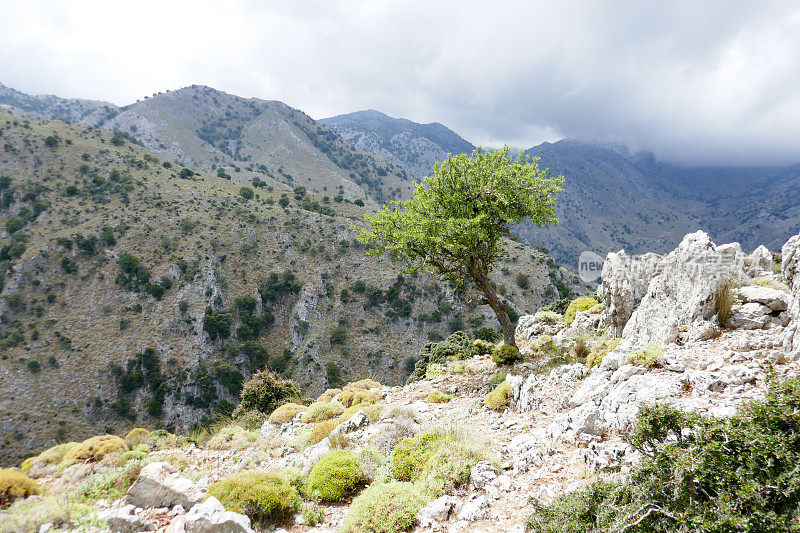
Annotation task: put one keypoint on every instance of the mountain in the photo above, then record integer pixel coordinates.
(417, 147)
(245, 138)
(135, 290)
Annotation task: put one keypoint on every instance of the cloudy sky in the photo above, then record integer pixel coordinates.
(703, 82)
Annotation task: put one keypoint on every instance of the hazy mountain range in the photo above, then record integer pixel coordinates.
(612, 199)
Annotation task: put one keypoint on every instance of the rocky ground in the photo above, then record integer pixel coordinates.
(561, 424)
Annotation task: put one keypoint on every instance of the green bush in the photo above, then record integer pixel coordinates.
(14, 484)
(577, 305)
(456, 346)
(364, 391)
(246, 193)
(648, 356)
(411, 454)
(265, 497)
(334, 477)
(265, 392)
(136, 436)
(483, 347)
(505, 354)
(498, 398)
(384, 508)
(698, 474)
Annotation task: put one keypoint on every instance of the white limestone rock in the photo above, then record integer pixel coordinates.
(159, 485)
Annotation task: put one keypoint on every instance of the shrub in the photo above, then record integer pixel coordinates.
(319, 411)
(384, 508)
(483, 347)
(246, 193)
(549, 316)
(136, 454)
(251, 419)
(286, 412)
(14, 484)
(698, 473)
(96, 448)
(505, 354)
(328, 395)
(601, 348)
(543, 343)
(449, 467)
(456, 346)
(648, 356)
(411, 454)
(498, 398)
(364, 391)
(373, 411)
(322, 430)
(581, 347)
(576, 306)
(50, 457)
(264, 392)
(334, 476)
(264, 497)
(723, 301)
(136, 436)
(439, 397)
(433, 371)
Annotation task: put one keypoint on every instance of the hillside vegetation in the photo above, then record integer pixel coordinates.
(135, 289)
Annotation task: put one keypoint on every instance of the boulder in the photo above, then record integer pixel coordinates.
(436, 511)
(530, 327)
(482, 474)
(775, 299)
(790, 268)
(759, 262)
(625, 282)
(123, 519)
(211, 517)
(159, 485)
(683, 290)
(749, 316)
(355, 422)
(474, 508)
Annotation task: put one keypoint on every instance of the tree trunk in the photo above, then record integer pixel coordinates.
(498, 307)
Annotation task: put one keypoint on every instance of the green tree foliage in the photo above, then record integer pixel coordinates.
(455, 223)
(265, 392)
(217, 323)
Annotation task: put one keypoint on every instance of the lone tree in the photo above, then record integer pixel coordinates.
(455, 223)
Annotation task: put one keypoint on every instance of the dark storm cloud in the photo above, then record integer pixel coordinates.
(700, 82)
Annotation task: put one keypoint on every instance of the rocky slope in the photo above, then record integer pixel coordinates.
(556, 420)
(246, 138)
(133, 288)
(416, 147)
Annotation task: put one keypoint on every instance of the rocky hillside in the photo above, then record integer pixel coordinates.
(545, 443)
(134, 288)
(245, 138)
(416, 147)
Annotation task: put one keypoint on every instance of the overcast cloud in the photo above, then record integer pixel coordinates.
(697, 81)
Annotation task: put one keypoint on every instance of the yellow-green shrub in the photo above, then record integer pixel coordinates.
(322, 430)
(649, 355)
(543, 342)
(363, 391)
(433, 371)
(576, 306)
(14, 484)
(449, 466)
(601, 349)
(498, 398)
(439, 397)
(483, 347)
(96, 448)
(372, 410)
(135, 436)
(160, 439)
(286, 412)
(319, 411)
(505, 354)
(334, 476)
(328, 395)
(384, 508)
(264, 497)
(411, 454)
(136, 454)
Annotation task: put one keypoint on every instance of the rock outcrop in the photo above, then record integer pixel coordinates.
(159, 485)
(790, 268)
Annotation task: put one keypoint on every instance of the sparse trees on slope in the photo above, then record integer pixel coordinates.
(455, 223)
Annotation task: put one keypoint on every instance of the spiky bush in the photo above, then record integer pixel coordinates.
(136, 436)
(648, 356)
(364, 391)
(96, 448)
(14, 485)
(286, 412)
(265, 497)
(439, 397)
(319, 411)
(322, 430)
(384, 508)
(335, 476)
(499, 397)
(505, 354)
(483, 347)
(577, 305)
